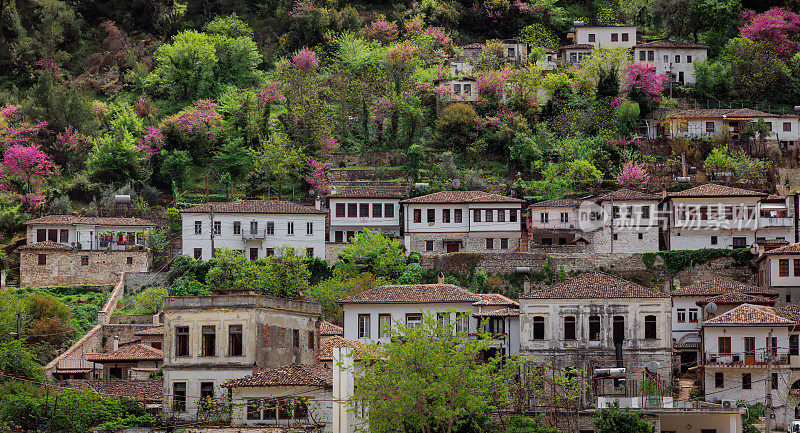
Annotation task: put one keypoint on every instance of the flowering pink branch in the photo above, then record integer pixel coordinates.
(777, 28)
(317, 176)
(633, 175)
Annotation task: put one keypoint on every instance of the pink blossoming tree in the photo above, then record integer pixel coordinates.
(270, 94)
(151, 142)
(22, 170)
(642, 84)
(777, 28)
(196, 128)
(317, 176)
(69, 148)
(144, 107)
(382, 30)
(633, 175)
(305, 60)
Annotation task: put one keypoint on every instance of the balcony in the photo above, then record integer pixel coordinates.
(758, 359)
(254, 234)
(775, 222)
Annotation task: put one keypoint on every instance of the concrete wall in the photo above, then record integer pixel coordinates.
(470, 242)
(320, 403)
(65, 268)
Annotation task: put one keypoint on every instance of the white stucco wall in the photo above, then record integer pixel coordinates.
(700, 127)
(670, 65)
(320, 402)
(688, 329)
(86, 235)
(602, 37)
(360, 222)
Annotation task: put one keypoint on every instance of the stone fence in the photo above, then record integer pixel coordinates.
(136, 280)
(505, 263)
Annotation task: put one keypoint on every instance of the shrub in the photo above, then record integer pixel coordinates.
(457, 121)
(60, 205)
(649, 259)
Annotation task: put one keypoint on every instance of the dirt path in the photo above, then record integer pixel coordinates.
(685, 387)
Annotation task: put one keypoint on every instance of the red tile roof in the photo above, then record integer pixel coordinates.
(133, 352)
(365, 192)
(329, 343)
(462, 197)
(495, 299)
(719, 285)
(736, 298)
(662, 43)
(156, 330)
(719, 113)
(629, 194)
(46, 245)
(576, 47)
(594, 285)
(714, 190)
(290, 375)
(558, 203)
(99, 221)
(327, 328)
(791, 312)
(787, 249)
(748, 315)
(139, 390)
(413, 294)
(255, 206)
(500, 312)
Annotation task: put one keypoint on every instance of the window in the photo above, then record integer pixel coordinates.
(384, 325)
(501, 215)
(338, 236)
(510, 52)
(681, 77)
(129, 260)
(794, 345)
(564, 217)
(377, 210)
(352, 210)
(417, 216)
(591, 37)
(713, 240)
(198, 253)
(489, 243)
(489, 215)
(182, 341)
(724, 345)
(547, 241)
(476, 215)
(594, 328)
(270, 228)
(796, 267)
(769, 126)
(217, 227)
(311, 339)
(616, 236)
(710, 128)
(388, 210)
(253, 409)
(719, 380)
(235, 340)
(456, 89)
(443, 319)
(363, 210)
(739, 242)
(562, 241)
(666, 58)
(296, 338)
(254, 227)
(462, 323)
(206, 390)
(309, 252)
(512, 215)
(538, 328)
(544, 217)
(431, 216)
(650, 328)
(237, 227)
(84, 260)
(428, 245)
(309, 228)
(504, 243)
(688, 59)
(363, 326)
(651, 56)
(179, 397)
(693, 315)
(615, 211)
(198, 227)
(681, 315)
(413, 320)
(289, 228)
(254, 253)
(642, 56)
(787, 127)
(42, 259)
(624, 37)
(645, 212)
(569, 328)
(340, 210)
(467, 88)
(457, 216)
(747, 381)
(445, 215)
(640, 236)
(64, 236)
(209, 340)
(774, 380)
(677, 58)
(614, 37)
(41, 235)
(783, 267)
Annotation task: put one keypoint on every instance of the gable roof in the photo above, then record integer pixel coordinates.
(719, 285)
(365, 192)
(748, 315)
(289, 375)
(714, 190)
(786, 249)
(495, 299)
(156, 330)
(98, 221)
(500, 312)
(629, 194)
(327, 328)
(736, 298)
(720, 113)
(557, 203)
(327, 345)
(576, 47)
(462, 197)
(139, 390)
(412, 294)
(133, 352)
(594, 285)
(46, 245)
(665, 43)
(255, 206)
(791, 312)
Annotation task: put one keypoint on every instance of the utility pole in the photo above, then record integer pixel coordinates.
(211, 216)
(768, 412)
(19, 325)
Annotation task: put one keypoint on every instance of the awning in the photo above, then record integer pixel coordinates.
(776, 206)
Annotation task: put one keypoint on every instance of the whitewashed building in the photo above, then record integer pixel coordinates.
(677, 59)
(370, 314)
(719, 216)
(574, 54)
(779, 270)
(554, 222)
(355, 209)
(258, 228)
(453, 221)
(604, 36)
(630, 223)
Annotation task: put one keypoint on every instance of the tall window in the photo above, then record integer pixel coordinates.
(363, 326)
(237, 227)
(693, 313)
(311, 339)
(719, 380)
(217, 227)
(352, 210)
(431, 216)
(296, 338)
(179, 397)
(569, 328)
(363, 210)
(774, 380)
(377, 210)
(501, 215)
(198, 227)
(198, 253)
(182, 341)
(489, 243)
(538, 328)
(209, 340)
(796, 267)
(64, 236)
(747, 381)
(650, 329)
(476, 215)
(206, 390)
(489, 215)
(417, 216)
(783, 267)
(388, 210)
(340, 210)
(457, 216)
(446, 216)
(384, 325)
(594, 328)
(254, 227)
(462, 323)
(512, 215)
(724, 345)
(289, 227)
(42, 259)
(235, 340)
(309, 228)
(681, 315)
(544, 217)
(564, 217)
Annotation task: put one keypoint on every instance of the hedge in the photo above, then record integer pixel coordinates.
(676, 261)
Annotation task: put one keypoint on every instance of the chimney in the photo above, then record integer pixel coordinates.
(116, 343)
(441, 277)
(526, 285)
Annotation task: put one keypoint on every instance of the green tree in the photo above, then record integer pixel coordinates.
(16, 360)
(150, 301)
(185, 68)
(539, 36)
(115, 158)
(756, 71)
(520, 424)
(457, 122)
(374, 253)
(616, 420)
(279, 158)
(229, 25)
(412, 274)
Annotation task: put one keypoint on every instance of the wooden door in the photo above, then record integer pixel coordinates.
(749, 350)
(452, 247)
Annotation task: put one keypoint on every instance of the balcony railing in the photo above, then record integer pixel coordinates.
(254, 234)
(748, 359)
(775, 222)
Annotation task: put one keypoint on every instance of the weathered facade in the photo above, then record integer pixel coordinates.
(779, 270)
(50, 264)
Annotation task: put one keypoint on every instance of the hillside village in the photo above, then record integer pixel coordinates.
(439, 216)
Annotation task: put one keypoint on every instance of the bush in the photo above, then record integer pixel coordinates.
(457, 121)
(150, 194)
(174, 217)
(649, 259)
(60, 205)
(150, 301)
(676, 261)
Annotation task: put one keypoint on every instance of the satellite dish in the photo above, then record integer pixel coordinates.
(456, 183)
(711, 308)
(652, 366)
(311, 192)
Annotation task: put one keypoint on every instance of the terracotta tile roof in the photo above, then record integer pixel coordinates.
(791, 312)
(662, 43)
(290, 375)
(685, 345)
(629, 194)
(719, 285)
(463, 197)
(156, 330)
(412, 293)
(255, 206)
(719, 113)
(365, 192)
(327, 345)
(788, 249)
(139, 390)
(714, 190)
(748, 315)
(576, 47)
(327, 328)
(500, 312)
(594, 285)
(558, 203)
(736, 298)
(46, 245)
(495, 299)
(133, 352)
(100, 221)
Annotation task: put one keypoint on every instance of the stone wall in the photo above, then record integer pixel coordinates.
(367, 159)
(64, 268)
(503, 263)
(136, 280)
(332, 250)
(473, 242)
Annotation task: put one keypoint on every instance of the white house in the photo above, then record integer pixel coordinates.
(453, 221)
(355, 209)
(549, 60)
(719, 216)
(574, 54)
(630, 222)
(258, 228)
(677, 59)
(604, 36)
(779, 270)
(368, 315)
(459, 89)
(738, 347)
(554, 222)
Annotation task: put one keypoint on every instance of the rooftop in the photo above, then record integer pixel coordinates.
(242, 301)
(714, 190)
(255, 206)
(327, 345)
(576, 47)
(594, 285)
(749, 315)
(664, 43)
(495, 299)
(365, 192)
(46, 245)
(412, 294)
(500, 312)
(787, 249)
(85, 220)
(290, 375)
(629, 194)
(736, 298)
(719, 285)
(558, 203)
(139, 390)
(133, 352)
(156, 330)
(462, 197)
(791, 312)
(722, 113)
(327, 328)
